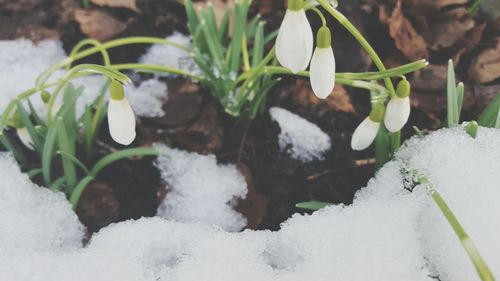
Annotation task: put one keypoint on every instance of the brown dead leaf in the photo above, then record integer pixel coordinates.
(449, 28)
(303, 96)
(254, 206)
(98, 24)
(407, 40)
(430, 78)
(127, 4)
(486, 66)
(472, 38)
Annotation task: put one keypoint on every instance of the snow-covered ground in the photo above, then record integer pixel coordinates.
(304, 140)
(388, 233)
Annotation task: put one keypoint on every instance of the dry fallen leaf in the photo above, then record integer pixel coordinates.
(450, 28)
(127, 4)
(406, 38)
(486, 66)
(98, 25)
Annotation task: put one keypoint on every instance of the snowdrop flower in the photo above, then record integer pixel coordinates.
(294, 44)
(22, 131)
(25, 137)
(398, 108)
(365, 133)
(322, 71)
(121, 118)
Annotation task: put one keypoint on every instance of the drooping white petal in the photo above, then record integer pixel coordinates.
(397, 113)
(294, 44)
(25, 138)
(364, 134)
(322, 72)
(121, 120)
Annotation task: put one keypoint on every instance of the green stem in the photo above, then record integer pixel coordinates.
(320, 14)
(155, 68)
(361, 39)
(42, 78)
(95, 43)
(122, 154)
(480, 265)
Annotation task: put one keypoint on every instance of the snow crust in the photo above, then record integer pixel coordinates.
(200, 190)
(304, 140)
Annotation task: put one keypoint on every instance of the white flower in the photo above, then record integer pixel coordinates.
(397, 113)
(365, 134)
(294, 45)
(322, 72)
(25, 137)
(121, 118)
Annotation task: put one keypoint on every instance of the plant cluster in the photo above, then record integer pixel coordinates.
(238, 65)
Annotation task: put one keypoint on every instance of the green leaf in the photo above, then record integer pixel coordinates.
(382, 147)
(451, 89)
(57, 184)
(78, 190)
(48, 151)
(313, 205)
(460, 99)
(74, 160)
(9, 146)
(490, 114)
(122, 154)
(192, 16)
(29, 126)
(223, 30)
(258, 45)
(34, 114)
(67, 148)
(34, 172)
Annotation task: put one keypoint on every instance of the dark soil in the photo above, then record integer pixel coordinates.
(194, 121)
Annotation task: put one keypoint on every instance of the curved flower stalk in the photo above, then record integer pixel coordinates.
(294, 44)
(365, 133)
(121, 118)
(398, 108)
(322, 70)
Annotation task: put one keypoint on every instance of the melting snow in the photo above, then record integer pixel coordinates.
(304, 140)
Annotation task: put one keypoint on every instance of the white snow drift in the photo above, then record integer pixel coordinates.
(388, 233)
(200, 190)
(304, 140)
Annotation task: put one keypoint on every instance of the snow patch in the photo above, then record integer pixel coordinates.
(32, 218)
(304, 140)
(171, 56)
(200, 190)
(21, 61)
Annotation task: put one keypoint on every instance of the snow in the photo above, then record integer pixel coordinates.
(21, 61)
(465, 171)
(170, 56)
(388, 233)
(145, 98)
(304, 140)
(200, 190)
(33, 218)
